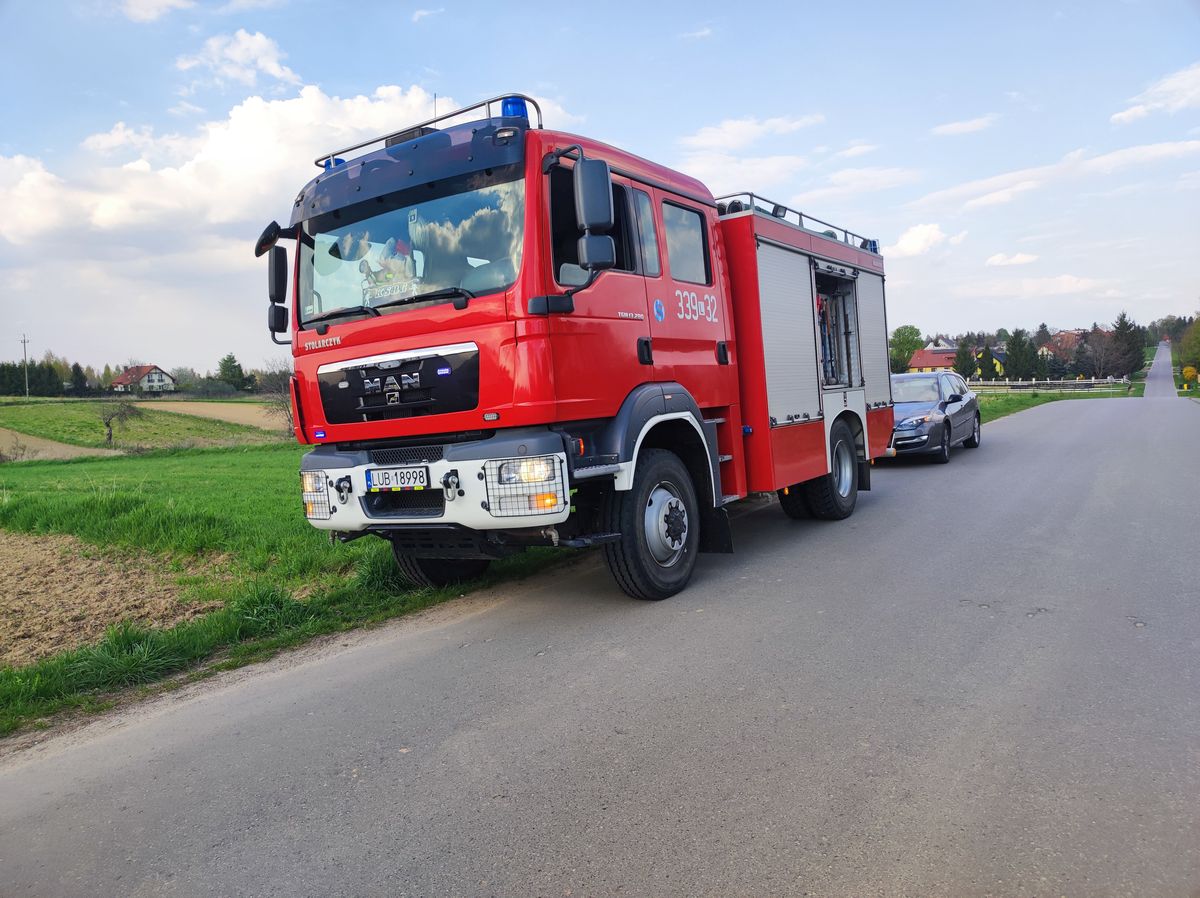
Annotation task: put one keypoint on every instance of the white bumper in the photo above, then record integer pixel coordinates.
(477, 500)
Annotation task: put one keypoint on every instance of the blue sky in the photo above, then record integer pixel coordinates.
(1020, 162)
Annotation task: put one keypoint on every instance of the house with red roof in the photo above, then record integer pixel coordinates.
(931, 360)
(144, 379)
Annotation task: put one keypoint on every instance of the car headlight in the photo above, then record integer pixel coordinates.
(527, 470)
(914, 423)
(315, 495)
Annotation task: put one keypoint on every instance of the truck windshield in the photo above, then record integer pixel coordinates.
(386, 254)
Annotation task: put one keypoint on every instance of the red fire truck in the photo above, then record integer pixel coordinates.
(506, 336)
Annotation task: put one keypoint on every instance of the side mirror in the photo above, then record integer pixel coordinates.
(593, 195)
(954, 397)
(597, 252)
(277, 275)
(269, 237)
(277, 319)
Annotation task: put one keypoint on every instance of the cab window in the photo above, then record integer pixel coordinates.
(564, 233)
(687, 250)
(647, 233)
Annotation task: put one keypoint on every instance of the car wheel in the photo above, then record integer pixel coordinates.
(834, 496)
(659, 523)
(942, 456)
(435, 572)
(972, 442)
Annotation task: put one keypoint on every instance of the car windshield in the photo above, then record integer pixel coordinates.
(462, 233)
(915, 389)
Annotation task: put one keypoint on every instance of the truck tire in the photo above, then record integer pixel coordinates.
(437, 572)
(833, 496)
(659, 523)
(794, 503)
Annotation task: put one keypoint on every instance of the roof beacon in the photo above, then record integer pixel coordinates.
(513, 107)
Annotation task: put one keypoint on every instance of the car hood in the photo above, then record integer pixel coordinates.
(912, 409)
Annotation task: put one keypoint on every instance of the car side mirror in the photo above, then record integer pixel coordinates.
(954, 397)
(593, 195)
(277, 275)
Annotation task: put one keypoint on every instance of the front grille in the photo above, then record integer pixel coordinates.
(430, 503)
(407, 455)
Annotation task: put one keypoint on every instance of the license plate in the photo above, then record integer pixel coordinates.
(386, 480)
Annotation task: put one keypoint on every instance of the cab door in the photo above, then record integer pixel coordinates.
(688, 325)
(599, 348)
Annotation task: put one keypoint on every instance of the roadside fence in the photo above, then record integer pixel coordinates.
(1105, 385)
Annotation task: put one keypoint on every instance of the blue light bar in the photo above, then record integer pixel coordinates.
(513, 107)
(330, 163)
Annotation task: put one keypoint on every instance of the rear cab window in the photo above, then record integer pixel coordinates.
(687, 246)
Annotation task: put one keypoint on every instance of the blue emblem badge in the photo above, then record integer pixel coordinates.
(660, 311)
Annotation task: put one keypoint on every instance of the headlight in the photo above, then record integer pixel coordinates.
(527, 470)
(914, 423)
(315, 495)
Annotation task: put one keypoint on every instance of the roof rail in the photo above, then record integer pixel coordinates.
(751, 202)
(321, 160)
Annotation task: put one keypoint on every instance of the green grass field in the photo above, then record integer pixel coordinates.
(78, 423)
(997, 405)
(280, 581)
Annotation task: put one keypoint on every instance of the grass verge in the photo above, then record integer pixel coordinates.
(77, 422)
(281, 581)
(998, 405)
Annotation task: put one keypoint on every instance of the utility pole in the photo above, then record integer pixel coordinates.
(25, 353)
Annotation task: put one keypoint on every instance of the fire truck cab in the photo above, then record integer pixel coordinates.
(506, 336)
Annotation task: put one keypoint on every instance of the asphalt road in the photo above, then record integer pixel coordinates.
(986, 682)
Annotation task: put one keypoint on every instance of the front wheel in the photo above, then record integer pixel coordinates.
(834, 496)
(942, 455)
(659, 523)
(972, 442)
(437, 572)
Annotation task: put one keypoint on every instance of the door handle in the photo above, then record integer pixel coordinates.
(645, 352)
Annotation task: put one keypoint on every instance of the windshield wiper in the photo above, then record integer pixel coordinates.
(461, 296)
(337, 313)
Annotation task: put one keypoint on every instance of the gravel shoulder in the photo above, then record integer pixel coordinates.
(42, 449)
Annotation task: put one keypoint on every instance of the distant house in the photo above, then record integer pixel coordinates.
(931, 360)
(1063, 344)
(940, 342)
(998, 358)
(144, 378)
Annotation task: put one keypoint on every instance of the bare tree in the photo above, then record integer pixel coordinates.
(275, 384)
(116, 410)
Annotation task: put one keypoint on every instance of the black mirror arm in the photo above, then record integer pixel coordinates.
(278, 342)
(552, 158)
(591, 279)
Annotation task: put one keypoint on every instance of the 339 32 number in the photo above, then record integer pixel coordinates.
(696, 308)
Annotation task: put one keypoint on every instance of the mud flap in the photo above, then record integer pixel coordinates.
(715, 533)
(864, 476)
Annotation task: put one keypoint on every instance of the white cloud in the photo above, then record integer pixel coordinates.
(916, 241)
(1002, 188)
(1179, 90)
(1002, 259)
(849, 181)
(240, 57)
(1030, 288)
(420, 14)
(968, 126)
(734, 134)
(149, 10)
(120, 136)
(855, 149)
(698, 34)
(724, 173)
(958, 238)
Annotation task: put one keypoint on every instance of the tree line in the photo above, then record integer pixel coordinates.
(55, 375)
(1117, 351)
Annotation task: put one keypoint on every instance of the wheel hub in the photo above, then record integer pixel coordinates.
(666, 524)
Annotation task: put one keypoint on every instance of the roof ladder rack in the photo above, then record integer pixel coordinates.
(745, 201)
(327, 159)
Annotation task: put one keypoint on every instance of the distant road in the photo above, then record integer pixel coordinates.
(1160, 382)
(984, 683)
(38, 448)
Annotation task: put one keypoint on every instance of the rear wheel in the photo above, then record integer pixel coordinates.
(659, 523)
(793, 502)
(972, 442)
(834, 496)
(439, 571)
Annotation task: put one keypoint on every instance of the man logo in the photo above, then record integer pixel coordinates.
(660, 311)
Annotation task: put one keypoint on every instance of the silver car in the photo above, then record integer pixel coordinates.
(934, 412)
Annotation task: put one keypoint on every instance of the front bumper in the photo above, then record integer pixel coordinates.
(463, 487)
(913, 442)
